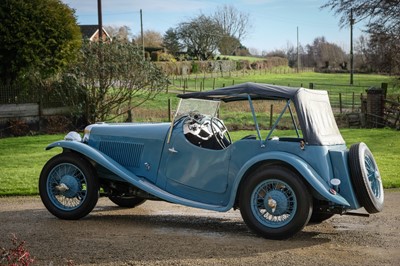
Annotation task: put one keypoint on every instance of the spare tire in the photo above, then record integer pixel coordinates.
(366, 178)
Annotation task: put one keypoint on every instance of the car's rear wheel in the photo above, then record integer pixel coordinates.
(275, 203)
(127, 202)
(68, 186)
(366, 178)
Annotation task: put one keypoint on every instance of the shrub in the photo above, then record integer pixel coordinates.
(16, 255)
(195, 67)
(18, 127)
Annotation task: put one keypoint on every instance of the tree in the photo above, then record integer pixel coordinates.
(171, 42)
(378, 53)
(37, 36)
(120, 33)
(235, 26)
(151, 39)
(233, 22)
(383, 23)
(201, 36)
(323, 54)
(228, 45)
(127, 80)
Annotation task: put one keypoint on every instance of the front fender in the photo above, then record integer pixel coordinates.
(304, 169)
(99, 157)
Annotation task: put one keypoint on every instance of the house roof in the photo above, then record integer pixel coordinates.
(89, 31)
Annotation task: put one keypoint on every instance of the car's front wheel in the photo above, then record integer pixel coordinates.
(68, 186)
(275, 203)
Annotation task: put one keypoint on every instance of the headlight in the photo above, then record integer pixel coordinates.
(73, 136)
(86, 133)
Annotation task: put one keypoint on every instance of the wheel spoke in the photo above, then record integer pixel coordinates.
(279, 193)
(74, 181)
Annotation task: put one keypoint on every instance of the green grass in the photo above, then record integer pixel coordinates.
(22, 158)
(248, 58)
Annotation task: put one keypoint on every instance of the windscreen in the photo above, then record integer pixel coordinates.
(205, 107)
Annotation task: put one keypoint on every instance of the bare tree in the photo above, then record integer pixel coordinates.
(383, 25)
(122, 33)
(120, 80)
(235, 26)
(382, 13)
(152, 38)
(233, 22)
(323, 54)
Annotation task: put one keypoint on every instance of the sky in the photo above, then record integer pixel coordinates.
(274, 23)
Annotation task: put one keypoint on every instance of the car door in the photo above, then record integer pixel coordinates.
(195, 169)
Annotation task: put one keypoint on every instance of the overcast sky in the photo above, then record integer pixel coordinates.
(274, 22)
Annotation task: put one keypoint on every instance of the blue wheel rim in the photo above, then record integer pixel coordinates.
(273, 203)
(373, 177)
(66, 187)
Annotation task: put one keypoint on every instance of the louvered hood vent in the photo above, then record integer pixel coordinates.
(127, 154)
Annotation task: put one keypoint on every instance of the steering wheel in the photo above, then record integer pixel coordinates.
(220, 132)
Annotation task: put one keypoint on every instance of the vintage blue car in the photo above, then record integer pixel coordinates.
(280, 184)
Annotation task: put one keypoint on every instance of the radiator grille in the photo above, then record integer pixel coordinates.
(127, 154)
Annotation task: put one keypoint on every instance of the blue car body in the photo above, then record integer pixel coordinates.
(159, 161)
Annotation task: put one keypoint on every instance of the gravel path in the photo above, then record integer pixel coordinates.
(159, 233)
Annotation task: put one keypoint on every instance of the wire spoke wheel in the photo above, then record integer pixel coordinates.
(274, 202)
(68, 186)
(366, 178)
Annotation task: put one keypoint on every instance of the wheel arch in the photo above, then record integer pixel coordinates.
(294, 163)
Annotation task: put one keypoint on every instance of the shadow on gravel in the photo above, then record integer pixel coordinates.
(114, 235)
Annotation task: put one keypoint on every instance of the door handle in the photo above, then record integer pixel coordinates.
(173, 150)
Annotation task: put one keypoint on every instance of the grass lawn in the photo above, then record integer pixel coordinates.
(22, 158)
(157, 109)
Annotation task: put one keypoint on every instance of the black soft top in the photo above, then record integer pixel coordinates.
(240, 92)
(313, 108)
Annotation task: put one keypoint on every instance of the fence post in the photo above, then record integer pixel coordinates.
(340, 102)
(311, 86)
(384, 87)
(169, 109)
(214, 84)
(271, 114)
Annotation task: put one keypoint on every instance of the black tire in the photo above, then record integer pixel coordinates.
(127, 202)
(293, 202)
(366, 178)
(68, 186)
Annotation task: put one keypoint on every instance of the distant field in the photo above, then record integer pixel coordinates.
(157, 109)
(249, 58)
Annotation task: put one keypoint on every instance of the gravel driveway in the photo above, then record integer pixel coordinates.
(159, 233)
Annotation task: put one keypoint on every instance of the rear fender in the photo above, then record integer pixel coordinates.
(304, 169)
